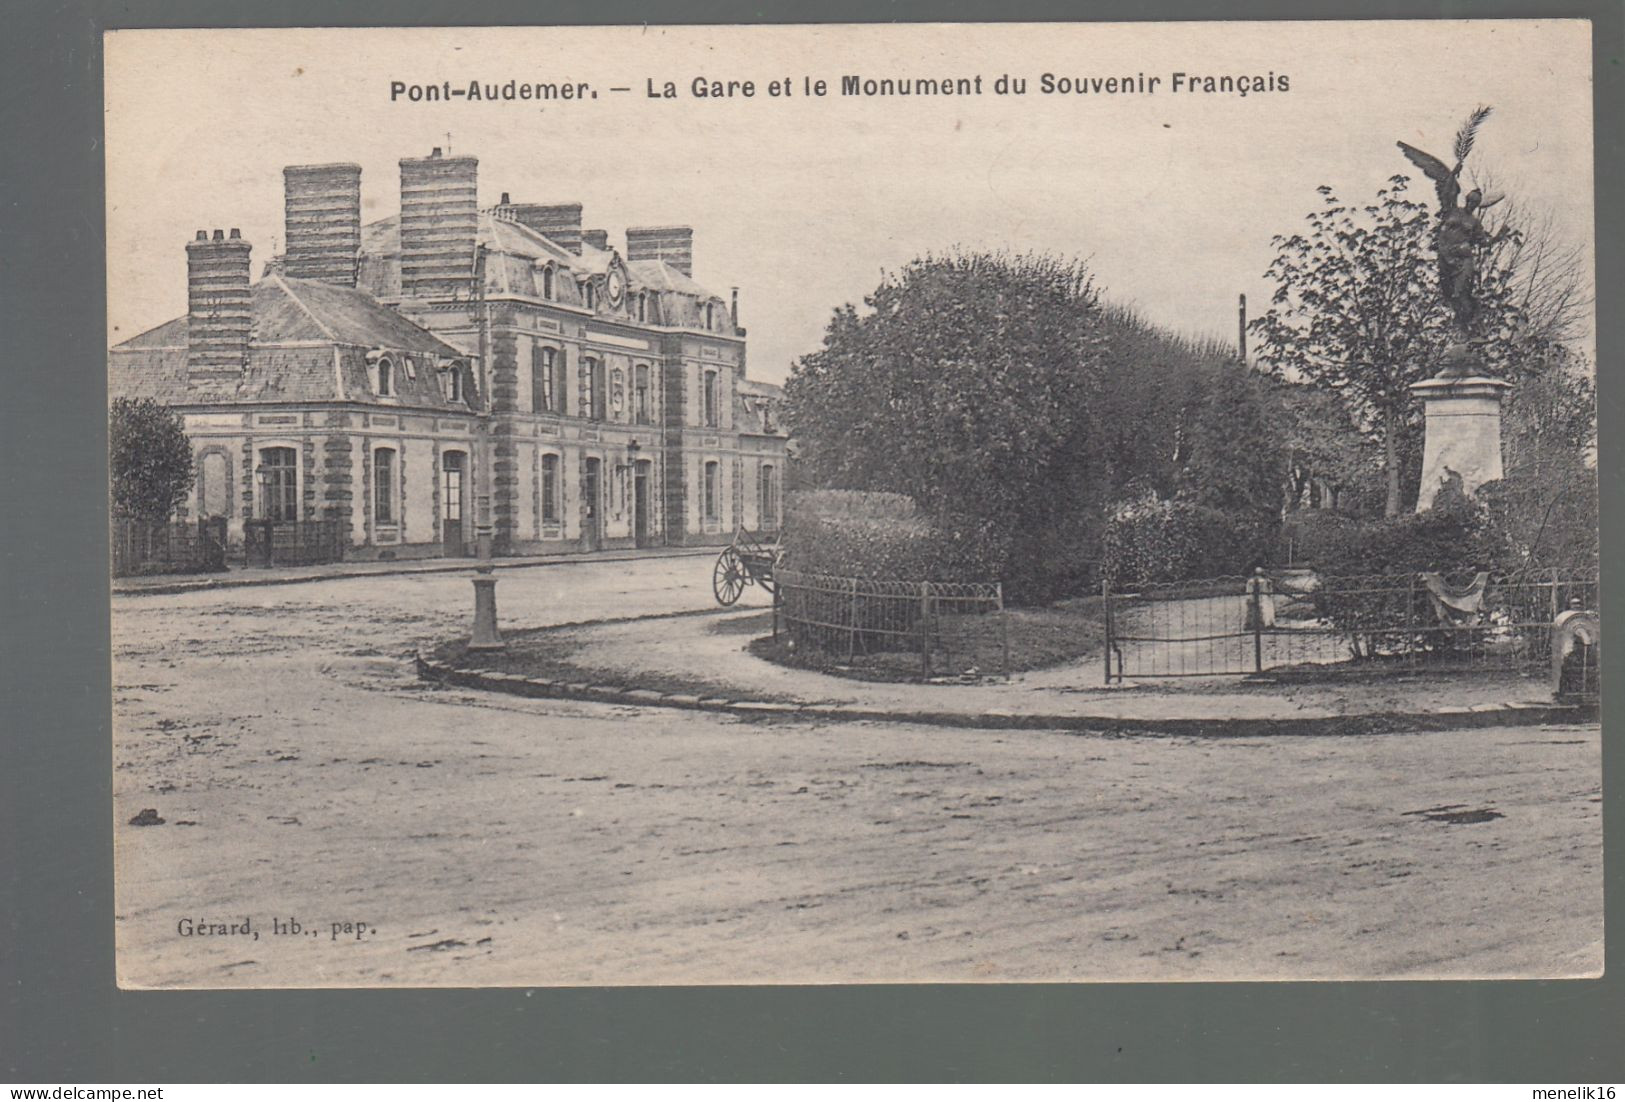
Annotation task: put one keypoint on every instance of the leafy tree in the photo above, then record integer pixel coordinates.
(1328, 461)
(1546, 502)
(998, 388)
(958, 387)
(150, 459)
(1237, 461)
(1357, 311)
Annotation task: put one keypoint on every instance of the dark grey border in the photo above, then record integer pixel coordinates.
(61, 1019)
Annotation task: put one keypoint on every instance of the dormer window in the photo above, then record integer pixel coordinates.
(384, 384)
(590, 295)
(643, 306)
(710, 315)
(452, 383)
(547, 282)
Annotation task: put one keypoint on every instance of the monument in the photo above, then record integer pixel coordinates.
(1461, 404)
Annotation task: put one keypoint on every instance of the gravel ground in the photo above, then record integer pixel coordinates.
(303, 774)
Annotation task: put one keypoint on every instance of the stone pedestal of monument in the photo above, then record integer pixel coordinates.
(1463, 433)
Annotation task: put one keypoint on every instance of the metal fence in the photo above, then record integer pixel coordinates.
(144, 547)
(292, 542)
(921, 628)
(1288, 619)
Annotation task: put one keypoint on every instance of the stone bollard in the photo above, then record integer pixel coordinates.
(485, 635)
(1572, 630)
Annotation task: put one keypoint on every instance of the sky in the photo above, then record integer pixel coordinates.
(805, 202)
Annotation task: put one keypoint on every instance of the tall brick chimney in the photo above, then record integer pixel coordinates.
(598, 239)
(440, 220)
(219, 303)
(322, 204)
(673, 244)
(559, 222)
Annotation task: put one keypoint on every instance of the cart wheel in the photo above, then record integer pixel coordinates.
(728, 579)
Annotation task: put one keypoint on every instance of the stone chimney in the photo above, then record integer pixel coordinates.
(673, 244)
(322, 207)
(559, 222)
(219, 303)
(439, 225)
(598, 239)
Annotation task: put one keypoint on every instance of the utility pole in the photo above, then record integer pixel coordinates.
(1241, 328)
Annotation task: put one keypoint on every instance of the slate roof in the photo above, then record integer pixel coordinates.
(512, 250)
(757, 407)
(308, 344)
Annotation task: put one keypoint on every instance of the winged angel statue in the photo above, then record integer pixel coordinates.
(1461, 233)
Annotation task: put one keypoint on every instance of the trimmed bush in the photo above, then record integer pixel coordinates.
(874, 535)
(1455, 538)
(1308, 536)
(1152, 540)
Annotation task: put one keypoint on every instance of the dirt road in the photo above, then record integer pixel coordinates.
(471, 839)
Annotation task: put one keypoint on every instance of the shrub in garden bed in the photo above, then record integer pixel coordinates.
(884, 540)
(1153, 541)
(884, 536)
(1370, 569)
(1308, 536)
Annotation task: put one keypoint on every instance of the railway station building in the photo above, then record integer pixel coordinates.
(461, 365)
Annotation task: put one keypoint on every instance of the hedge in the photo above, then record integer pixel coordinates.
(1155, 540)
(872, 535)
(1308, 536)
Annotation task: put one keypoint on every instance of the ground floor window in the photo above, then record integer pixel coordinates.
(712, 474)
(383, 485)
(278, 473)
(214, 485)
(452, 476)
(767, 492)
(550, 489)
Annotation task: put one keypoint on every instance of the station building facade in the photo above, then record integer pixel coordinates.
(459, 367)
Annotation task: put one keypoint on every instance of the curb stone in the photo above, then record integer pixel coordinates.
(184, 584)
(1431, 719)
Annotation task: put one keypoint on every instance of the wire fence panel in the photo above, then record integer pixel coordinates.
(1298, 619)
(179, 547)
(925, 628)
(292, 542)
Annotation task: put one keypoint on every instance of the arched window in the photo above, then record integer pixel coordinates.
(452, 378)
(214, 485)
(590, 294)
(643, 306)
(550, 489)
(278, 474)
(712, 474)
(640, 394)
(547, 282)
(544, 379)
(386, 376)
(710, 315)
(383, 485)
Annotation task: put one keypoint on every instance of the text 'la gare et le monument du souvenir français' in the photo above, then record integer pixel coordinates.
(863, 86)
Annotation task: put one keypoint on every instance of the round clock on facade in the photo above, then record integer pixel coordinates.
(616, 286)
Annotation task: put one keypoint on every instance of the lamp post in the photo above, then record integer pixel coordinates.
(485, 636)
